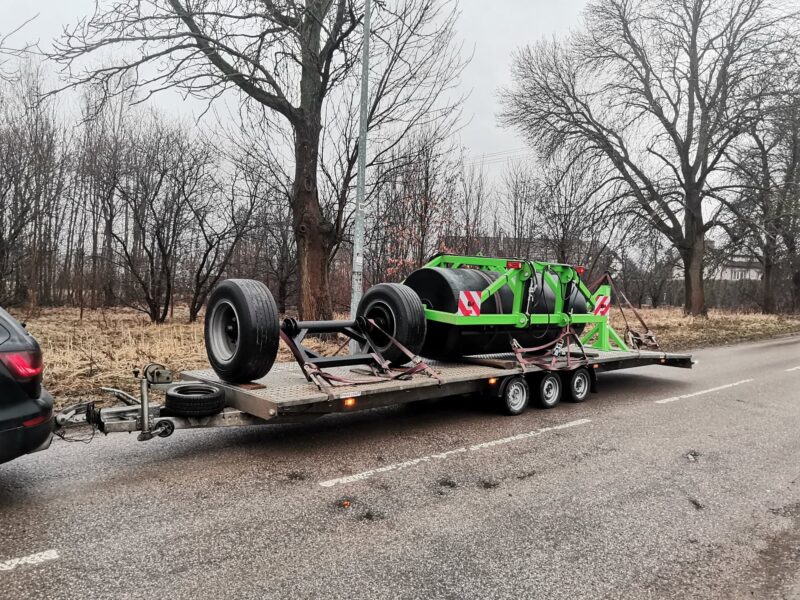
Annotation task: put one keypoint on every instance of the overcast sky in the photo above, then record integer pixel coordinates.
(494, 28)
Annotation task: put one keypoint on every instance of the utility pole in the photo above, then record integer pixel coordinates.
(361, 183)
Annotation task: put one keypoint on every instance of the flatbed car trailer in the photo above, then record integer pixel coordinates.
(285, 394)
(512, 330)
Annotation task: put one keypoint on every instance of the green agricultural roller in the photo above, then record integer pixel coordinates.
(477, 305)
(454, 306)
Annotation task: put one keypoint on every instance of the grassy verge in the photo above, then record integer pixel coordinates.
(675, 332)
(103, 347)
(101, 350)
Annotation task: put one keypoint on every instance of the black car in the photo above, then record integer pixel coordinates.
(26, 409)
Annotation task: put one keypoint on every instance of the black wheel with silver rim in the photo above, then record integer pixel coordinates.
(550, 390)
(579, 384)
(242, 330)
(396, 310)
(514, 396)
(223, 331)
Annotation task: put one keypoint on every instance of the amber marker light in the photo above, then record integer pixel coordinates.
(349, 402)
(492, 380)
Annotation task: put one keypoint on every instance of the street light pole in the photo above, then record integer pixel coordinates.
(358, 222)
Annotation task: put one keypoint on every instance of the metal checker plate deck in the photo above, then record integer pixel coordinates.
(654, 357)
(603, 355)
(614, 358)
(285, 384)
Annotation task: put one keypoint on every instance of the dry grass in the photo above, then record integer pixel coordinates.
(675, 332)
(103, 348)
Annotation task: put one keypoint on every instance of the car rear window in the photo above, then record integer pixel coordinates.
(4, 334)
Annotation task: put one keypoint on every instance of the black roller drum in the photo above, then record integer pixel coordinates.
(439, 289)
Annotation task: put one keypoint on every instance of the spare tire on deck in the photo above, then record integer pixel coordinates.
(242, 330)
(194, 400)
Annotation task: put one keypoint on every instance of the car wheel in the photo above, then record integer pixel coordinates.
(579, 384)
(514, 396)
(550, 390)
(242, 330)
(398, 311)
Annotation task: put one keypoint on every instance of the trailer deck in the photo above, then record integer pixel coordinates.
(286, 394)
(285, 391)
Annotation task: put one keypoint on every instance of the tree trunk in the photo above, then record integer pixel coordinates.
(108, 265)
(695, 300)
(314, 236)
(282, 291)
(195, 304)
(693, 254)
(768, 288)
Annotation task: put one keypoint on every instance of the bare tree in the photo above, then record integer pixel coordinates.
(566, 209)
(222, 210)
(10, 53)
(646, 266)
(518, 187)
(163, 173)
(579, 213)
(659, 90)
(412, 208)
(766, 164)
(471, 209)
(34, 173)
(287, 56)
(757, 207)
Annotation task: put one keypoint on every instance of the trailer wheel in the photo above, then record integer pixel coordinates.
(399, 312)
(514, 396)
(579, 384)
(242, 330)
(550, 390)
(194, 400)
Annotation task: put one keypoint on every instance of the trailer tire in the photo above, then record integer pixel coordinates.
(194, 400)
(515, 394)
(550, 390)
(242, 330)
(578, 384)
(398, 310)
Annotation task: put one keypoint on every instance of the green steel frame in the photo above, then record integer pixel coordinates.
(514, 273)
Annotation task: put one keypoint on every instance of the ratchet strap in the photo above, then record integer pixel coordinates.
(633, 337)
(379, 371)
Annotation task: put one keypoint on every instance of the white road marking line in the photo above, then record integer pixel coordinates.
(33, 559)
(793, 369)
(708, 391)
(442, 455)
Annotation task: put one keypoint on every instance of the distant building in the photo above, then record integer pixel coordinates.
(733, 268)
(739, 268)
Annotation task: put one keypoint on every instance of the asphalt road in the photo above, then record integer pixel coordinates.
(625, 496)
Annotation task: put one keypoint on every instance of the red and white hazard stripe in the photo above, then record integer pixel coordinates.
(602, 305)
(469, 304)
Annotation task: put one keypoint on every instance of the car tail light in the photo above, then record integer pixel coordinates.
(38, 420)
(23, 366)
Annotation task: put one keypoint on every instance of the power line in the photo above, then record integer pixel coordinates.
(499, 153)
